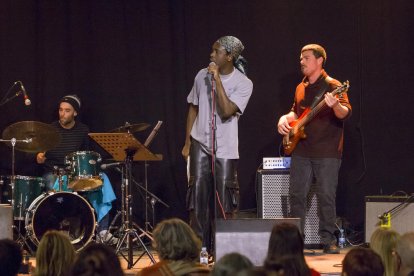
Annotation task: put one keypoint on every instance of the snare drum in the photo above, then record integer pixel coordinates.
(26, 189)
(62, 211)
(84, 171)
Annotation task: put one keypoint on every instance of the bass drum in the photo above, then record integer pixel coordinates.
(62, 211)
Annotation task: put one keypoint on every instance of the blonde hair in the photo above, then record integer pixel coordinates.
(383, 242)
(55, 254)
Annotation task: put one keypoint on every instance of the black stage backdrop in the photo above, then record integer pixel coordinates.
(135, 61)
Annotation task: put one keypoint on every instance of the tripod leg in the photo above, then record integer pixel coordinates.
(22, 240)
(143, 232)
(144, 247)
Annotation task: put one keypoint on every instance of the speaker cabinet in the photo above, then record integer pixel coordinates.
(400, 207)
(249, 237)
(273, 202)
(6, 219)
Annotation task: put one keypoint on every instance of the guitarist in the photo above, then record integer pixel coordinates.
(318, 155)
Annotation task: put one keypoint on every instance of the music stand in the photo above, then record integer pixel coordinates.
(125, 147)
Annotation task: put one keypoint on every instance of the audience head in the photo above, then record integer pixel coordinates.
(97, 260)
(383, 242)
(55, 254)
(288, 265)
(258, 271)
(286, 243)
(362, 262)
(230, 264)
(175, 240)
(404, 253)
(10, 257)
(285, 239)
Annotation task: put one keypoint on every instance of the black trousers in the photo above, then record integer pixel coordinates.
(325, 171)
(203, 198)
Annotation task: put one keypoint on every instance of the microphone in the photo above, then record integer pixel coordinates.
(27, 101)
(212, 75)
(212, 64)
(107, 166)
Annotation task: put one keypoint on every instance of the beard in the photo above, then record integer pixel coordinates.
(66, 122)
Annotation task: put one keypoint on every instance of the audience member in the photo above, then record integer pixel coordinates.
(97, 260)
(286, 240)
(55, 254)
(10, 257)
(404, 254)
(258, 271)
(383, 242)
(178, 249)
(230, 264)
(362, 262)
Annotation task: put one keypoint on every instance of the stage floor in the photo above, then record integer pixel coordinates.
(326, 264)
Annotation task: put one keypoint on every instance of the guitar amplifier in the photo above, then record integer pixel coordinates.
(273, 202)
(401, 209)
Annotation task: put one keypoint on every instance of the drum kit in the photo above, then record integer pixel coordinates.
(43, 210)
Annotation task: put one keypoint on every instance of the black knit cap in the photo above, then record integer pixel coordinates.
(73, 100)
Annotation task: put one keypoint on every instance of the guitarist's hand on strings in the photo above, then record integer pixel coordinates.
(333, 102)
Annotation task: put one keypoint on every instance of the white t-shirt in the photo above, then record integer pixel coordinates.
(239, 89)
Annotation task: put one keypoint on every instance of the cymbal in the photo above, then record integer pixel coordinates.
(131, 128)
(44, 136)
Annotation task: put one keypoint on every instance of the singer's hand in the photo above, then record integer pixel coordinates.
(186, 151)
(41, 158)
(213, 69)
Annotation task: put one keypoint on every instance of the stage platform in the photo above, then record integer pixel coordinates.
(326, 264)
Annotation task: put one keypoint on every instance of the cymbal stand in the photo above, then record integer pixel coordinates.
(22, 240)
(147, 142)
(147, 223)
(130, 234)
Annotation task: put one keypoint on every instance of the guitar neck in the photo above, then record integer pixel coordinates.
(309, 116)
(312, 113)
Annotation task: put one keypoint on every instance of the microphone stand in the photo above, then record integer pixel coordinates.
(385, 218)
(130, 234)
(153, 201)
(213, 163)
(5, 99)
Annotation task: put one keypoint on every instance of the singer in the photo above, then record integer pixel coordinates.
(218, 98)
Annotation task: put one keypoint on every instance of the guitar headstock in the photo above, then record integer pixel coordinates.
(340, 89)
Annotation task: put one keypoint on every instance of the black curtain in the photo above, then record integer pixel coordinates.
(135, 61)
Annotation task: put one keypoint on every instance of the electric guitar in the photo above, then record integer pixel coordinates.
(297, 132)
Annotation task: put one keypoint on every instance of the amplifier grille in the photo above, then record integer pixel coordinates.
(273, 202)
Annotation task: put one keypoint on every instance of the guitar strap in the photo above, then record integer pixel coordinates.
(325, 87)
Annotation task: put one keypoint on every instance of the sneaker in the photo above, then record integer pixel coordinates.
(331, 249)
(107, 237)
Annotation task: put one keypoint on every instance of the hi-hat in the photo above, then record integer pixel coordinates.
(131, 128)
(43, 136)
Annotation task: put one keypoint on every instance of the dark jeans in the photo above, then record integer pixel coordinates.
(201, 194)
(325, 171)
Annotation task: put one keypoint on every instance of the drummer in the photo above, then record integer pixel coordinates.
(74, 137)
